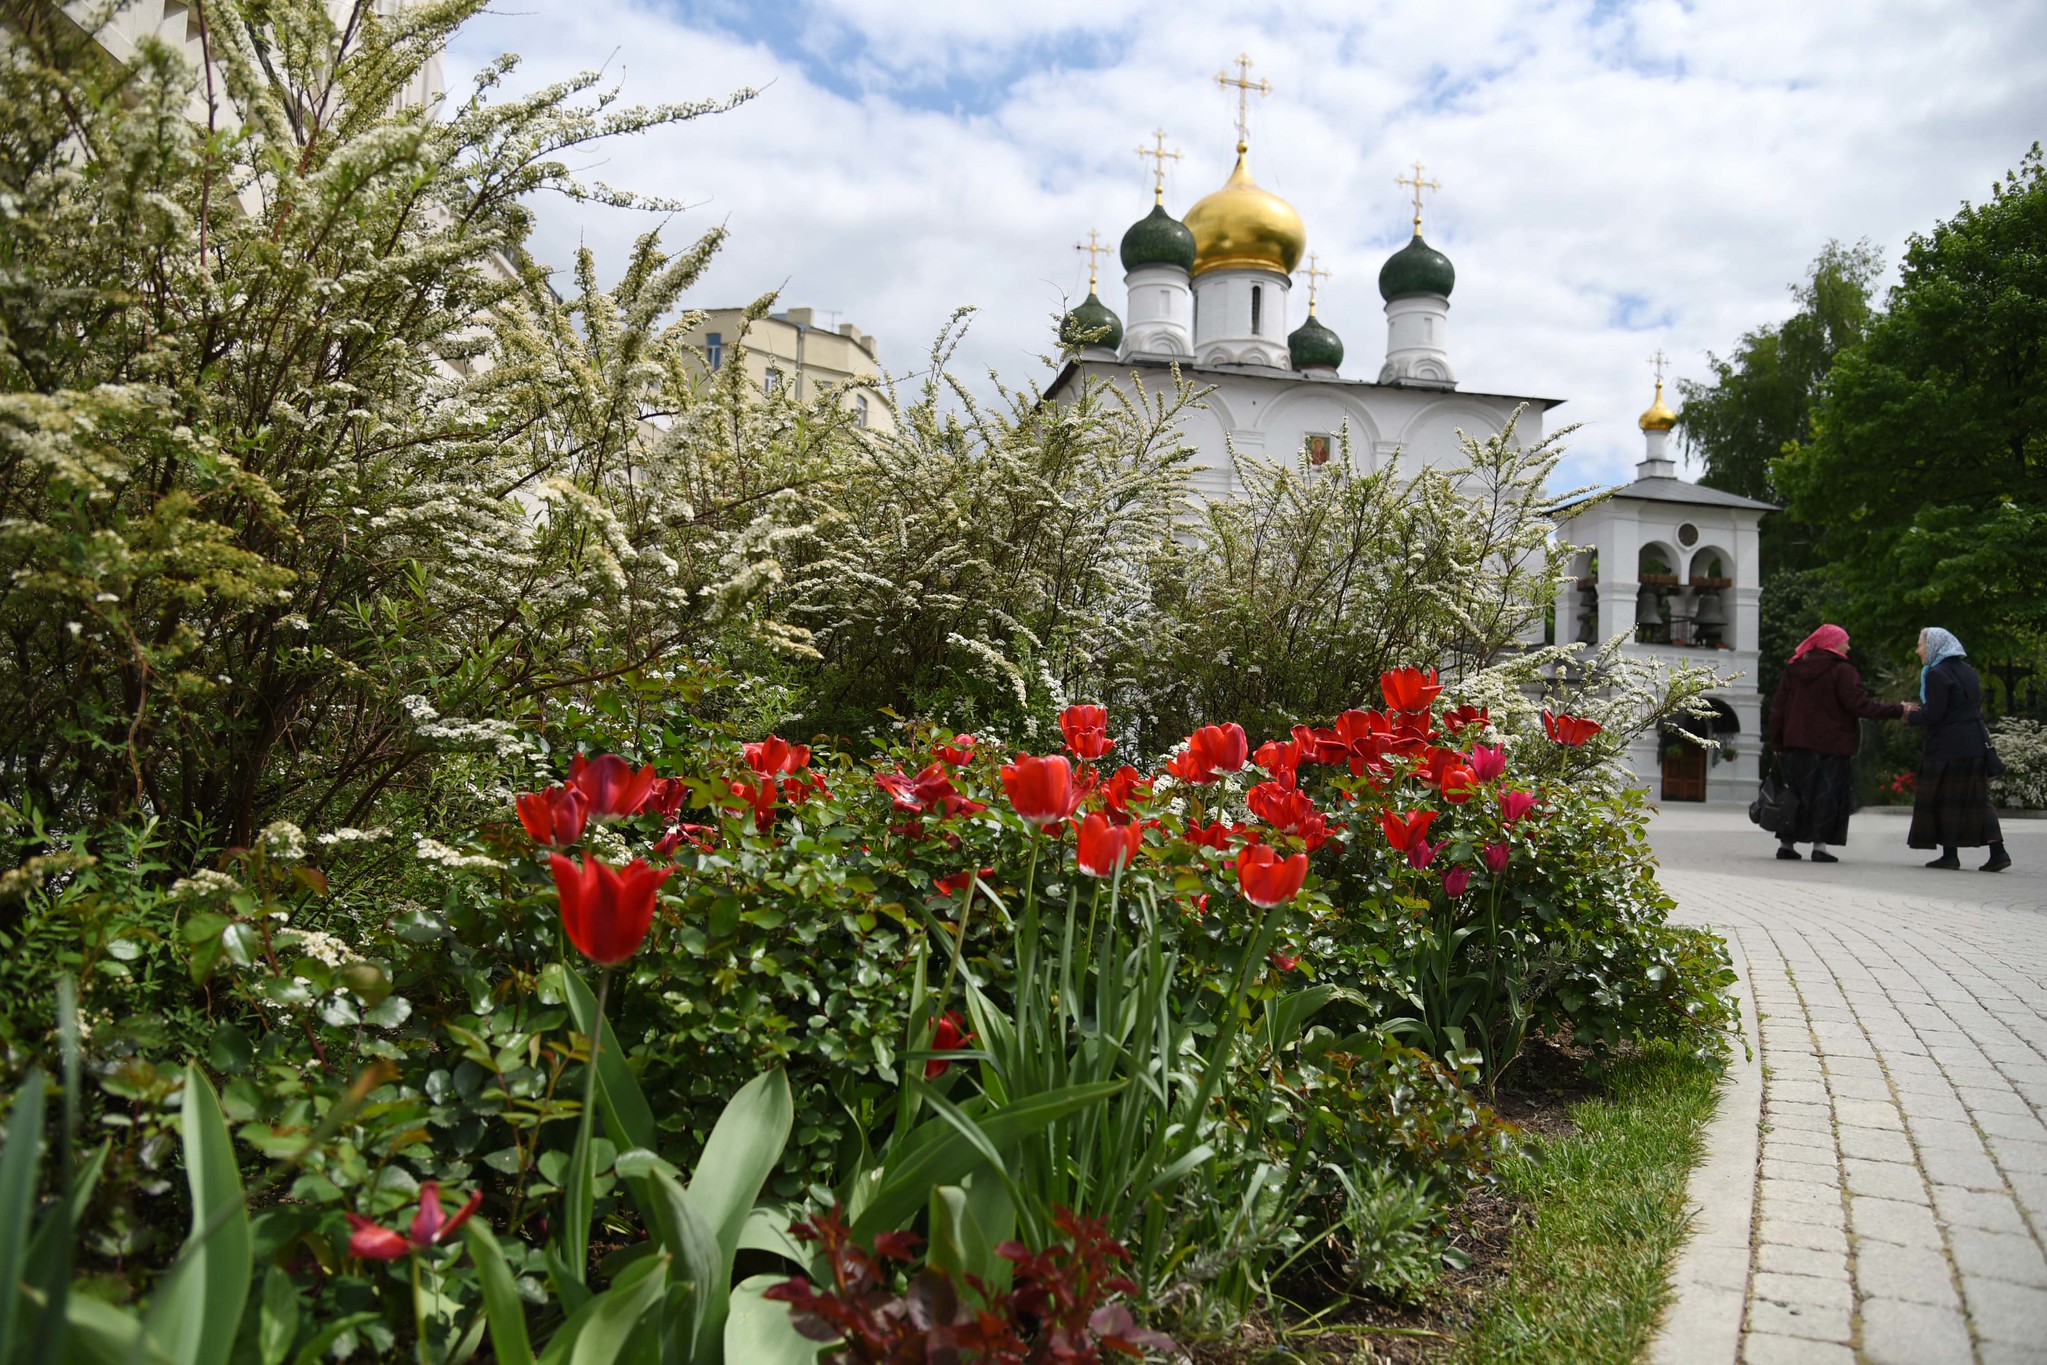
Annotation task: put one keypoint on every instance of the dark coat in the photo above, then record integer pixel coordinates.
(1819, 699)
(1952, 715)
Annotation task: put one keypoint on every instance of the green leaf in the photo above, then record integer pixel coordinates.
(693, 1243)
(744, 1146)
(501, 1301)
(18, 1165)
(278, 1321)
(601, 1330)
(759, 1331)
(198, 1311)
(767, 1229)
(102, 1334)
(314, 1351)
(620, 1101)
(945, 1157)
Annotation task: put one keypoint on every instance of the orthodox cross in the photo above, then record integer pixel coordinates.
(1419, 185)
(1158, 156)
(1657, 362)
(1093, 247)
(1245, 85)
(1314, 272)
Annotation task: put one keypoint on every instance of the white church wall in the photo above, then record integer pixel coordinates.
(1158, 312)
(1226, 332)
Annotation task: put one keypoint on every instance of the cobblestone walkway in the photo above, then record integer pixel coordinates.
(1900, 1196)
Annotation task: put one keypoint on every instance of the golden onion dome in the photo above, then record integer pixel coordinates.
(1658, 417)
(1244, 227)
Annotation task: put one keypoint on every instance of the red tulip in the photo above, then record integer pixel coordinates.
(1042, 790)
(555, 816)
(774, 756)
(607, 912)
(1125, 786)
(696, 836)
(1423, 853)
(1464, 717)
(1459, 784)
(1410, 689)
(1456, 881)
(1286, 962)
(665, 797)
(1320, 745)
(757, 794)
(958, 752)
(1280, 758)
(1216, 836)
(1488, 764)
(1570, 730)
(1087, 731)
(1189, 766)
(949, 1036)
(1267, 879)
(1404, 831)
(959, 881)
(1103, 847)
(1495, 856)
(431, 1227)
(1514, 805)
(1223, 748)
(1278, 806)
(610, 785)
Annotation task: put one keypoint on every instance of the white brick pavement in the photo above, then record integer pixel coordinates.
(1899, 1189)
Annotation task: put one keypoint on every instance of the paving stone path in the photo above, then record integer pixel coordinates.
(1898, 1194)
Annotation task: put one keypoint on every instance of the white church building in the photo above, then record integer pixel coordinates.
(1667, 560)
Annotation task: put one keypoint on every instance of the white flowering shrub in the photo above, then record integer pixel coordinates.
(2022, 744)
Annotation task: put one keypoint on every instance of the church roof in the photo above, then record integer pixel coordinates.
(1276, 376)
(1683, 490)
(1158, 238)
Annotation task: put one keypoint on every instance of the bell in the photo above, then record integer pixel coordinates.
(1648, 607)
(1710, 611)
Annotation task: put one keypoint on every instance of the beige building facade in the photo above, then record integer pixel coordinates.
(792, 349)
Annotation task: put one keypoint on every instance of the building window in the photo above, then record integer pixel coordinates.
(859, 409)
(1257, 306)
(714, 349)
(773, 380)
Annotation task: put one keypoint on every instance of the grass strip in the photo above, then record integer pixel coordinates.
(1587, 1275)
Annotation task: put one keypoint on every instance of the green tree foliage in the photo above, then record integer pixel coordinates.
(1761, 397)
(1926, 470)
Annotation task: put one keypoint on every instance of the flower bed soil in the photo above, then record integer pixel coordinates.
(1430, 1329)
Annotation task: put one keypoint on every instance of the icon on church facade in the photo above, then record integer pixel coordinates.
(1320, 444)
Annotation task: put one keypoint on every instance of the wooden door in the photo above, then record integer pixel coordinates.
(1684, 772)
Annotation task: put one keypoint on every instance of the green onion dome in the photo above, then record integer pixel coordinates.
(1314, 347)
(1158, 238)
(1092, 324)
(1416, 268)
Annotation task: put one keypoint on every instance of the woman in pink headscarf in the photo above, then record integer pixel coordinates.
(1813, 727)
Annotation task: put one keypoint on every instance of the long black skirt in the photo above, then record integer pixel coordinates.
(1951, 806)
(1821, 782)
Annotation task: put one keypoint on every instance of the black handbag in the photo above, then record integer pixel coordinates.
(1775, 808)
(1993, 766)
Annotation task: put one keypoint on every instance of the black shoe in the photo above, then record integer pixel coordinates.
(1789, 854)
(1947, 864)
(1820, 856)
(1996, 865)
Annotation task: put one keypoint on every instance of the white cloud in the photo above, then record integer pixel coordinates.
(1617, 177)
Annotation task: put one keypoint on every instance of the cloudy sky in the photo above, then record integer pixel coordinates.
(1617, 177)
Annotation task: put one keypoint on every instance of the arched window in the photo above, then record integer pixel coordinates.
(1257, 303)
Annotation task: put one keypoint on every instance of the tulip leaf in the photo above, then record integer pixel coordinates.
(18, 1163)
(102, 1334)
(759, 1330)
(502, 1305)
(740, 1155)
(945, 1156)
(198, 1312)
(693, 1244)
(628, 1118)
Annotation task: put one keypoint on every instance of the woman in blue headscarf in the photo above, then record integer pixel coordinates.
(1951, 805)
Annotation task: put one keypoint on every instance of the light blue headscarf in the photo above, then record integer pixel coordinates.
(1941, 645)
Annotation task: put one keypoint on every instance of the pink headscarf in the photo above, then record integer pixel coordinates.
(1833, 639)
